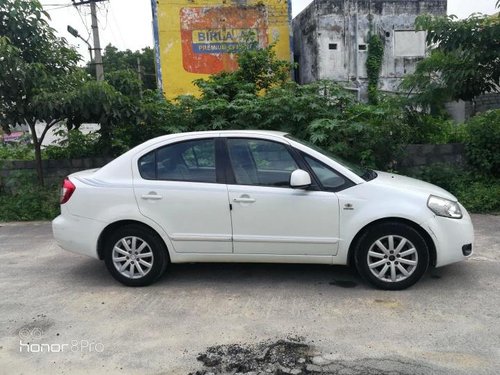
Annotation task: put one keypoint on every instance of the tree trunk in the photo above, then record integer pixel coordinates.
(39, 167)
(105, 138)
(38, 154)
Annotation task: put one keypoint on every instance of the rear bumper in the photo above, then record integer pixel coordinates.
(77, 234)
(454, 238)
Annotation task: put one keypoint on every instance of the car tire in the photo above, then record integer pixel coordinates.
(135, 255)
(392, 256)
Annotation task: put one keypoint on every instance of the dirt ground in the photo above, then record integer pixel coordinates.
(63, 314)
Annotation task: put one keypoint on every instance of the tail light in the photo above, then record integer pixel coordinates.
(67, 190)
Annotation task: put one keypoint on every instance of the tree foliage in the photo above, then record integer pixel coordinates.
(138, 63)
(260, 95)
(483, 138)
(41, 83)
(258, 70)
(38, 72)
(464, 62)
(374, 62)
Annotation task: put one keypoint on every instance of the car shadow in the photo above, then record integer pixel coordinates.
(91, 272)
(258, 273)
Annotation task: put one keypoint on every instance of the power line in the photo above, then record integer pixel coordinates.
(84, 2)
(106, 9)
(95, 33)
(56, 6)
(82, 18)
(120, 35)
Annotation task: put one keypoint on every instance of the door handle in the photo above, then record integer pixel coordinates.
(244, 200)
(152, 196)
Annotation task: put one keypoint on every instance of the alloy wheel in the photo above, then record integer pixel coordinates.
(132, 257)
(392, 258)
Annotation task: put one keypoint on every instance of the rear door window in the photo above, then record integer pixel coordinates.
(192, 161)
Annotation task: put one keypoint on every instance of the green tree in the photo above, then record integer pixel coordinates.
(464, 62)
(374, 66)
(139, 63)
(41, 83)
(39, 71)
(258, 70)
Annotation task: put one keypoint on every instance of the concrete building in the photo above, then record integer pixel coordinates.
(330, 39)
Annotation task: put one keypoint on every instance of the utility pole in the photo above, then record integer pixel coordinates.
(99, 70)
(95, 36)
(139, 75)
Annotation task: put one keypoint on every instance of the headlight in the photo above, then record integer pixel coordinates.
(444, 207)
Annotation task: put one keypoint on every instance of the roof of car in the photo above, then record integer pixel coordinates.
(218, 133)
(214, 133)
(249, 131)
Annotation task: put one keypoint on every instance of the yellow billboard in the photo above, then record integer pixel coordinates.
(197, 38)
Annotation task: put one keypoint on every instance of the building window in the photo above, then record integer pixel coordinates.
(332, 46)
(409, 43)
(362, 47)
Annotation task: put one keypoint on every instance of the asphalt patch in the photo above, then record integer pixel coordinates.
(286, 357)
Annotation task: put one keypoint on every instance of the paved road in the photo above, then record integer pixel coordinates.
(69, 308)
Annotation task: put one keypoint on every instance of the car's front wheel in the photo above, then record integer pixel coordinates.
(392, 256)
(135, 256)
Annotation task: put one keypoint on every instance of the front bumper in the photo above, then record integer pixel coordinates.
(454, 238)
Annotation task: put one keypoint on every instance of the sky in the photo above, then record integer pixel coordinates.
(127, 23)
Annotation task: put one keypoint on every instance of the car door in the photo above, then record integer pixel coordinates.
(177, 186)
(268, 216)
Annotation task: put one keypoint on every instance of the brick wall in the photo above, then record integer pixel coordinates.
(54, 170)
(487, 101)
(422, 155)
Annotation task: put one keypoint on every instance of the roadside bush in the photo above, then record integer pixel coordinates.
(374, 136)
(322, 112)
(478, 193)
(426, 128)
(483, 142)
(443, 175)
(73, 144)
(22, 199)
(480, 196)
(16, 151)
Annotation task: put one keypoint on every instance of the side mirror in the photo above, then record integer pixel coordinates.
(300, 179)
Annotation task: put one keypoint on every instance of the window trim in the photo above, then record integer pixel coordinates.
(346, 185)
(218, 178)
(229, 171)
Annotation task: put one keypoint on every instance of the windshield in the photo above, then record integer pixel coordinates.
(365, 174)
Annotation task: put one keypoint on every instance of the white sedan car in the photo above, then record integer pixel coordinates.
(256, 196)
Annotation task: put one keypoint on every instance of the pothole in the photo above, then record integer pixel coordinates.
(294, 357)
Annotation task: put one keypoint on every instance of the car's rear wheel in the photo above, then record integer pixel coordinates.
(392, 256)
(135, 255)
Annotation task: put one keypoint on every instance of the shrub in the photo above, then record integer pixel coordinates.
(478, 193)
(374, 136)
(374, 62)
(426, 128)
(16, 151)
(21, 199)
(72, 145)
(483, 140)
